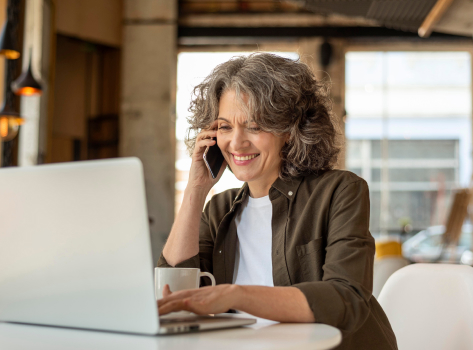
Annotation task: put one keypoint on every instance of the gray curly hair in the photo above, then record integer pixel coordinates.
(283, 97)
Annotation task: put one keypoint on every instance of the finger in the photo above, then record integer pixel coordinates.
(177, 305)
(201, 146)
(182, 294)
(166, 290)
(207, 134)
(205, 143)
(213, 126)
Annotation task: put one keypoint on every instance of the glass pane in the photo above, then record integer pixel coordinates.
(357, 171)
(423, 149)
(353, 149)
(420, 103)
(416, 175)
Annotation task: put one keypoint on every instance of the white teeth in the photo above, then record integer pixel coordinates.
(246, 157)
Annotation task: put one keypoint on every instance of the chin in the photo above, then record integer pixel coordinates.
(243, 177)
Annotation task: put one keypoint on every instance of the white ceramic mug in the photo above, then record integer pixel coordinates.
(178, 278)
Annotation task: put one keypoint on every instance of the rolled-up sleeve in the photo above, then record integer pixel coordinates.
(341, 299)
(202, 260)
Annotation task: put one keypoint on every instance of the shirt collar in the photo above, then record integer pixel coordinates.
(244, 190)
(288, 188)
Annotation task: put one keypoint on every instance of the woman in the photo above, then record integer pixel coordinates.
(292, 245)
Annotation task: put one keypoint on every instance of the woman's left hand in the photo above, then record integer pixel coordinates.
(201, 301)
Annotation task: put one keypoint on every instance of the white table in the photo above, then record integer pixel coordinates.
(264, 334)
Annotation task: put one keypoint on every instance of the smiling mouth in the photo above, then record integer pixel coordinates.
(245, 157)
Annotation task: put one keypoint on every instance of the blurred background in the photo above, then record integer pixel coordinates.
(85, 79)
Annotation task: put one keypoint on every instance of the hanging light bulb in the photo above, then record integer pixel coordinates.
(10, 122)
(26, 84)
(7, 45)
(9, 127)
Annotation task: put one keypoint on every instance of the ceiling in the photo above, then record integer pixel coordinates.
(458, 19)
(399, 14)
(387, 17)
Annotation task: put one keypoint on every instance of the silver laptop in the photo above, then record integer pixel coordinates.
(75, 250)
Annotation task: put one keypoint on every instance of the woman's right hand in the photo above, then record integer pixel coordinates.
(199, 175)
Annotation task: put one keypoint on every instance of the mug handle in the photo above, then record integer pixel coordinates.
(209, 275)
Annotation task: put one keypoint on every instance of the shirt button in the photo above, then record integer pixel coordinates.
(290, 193)
(220, 251)
(277, 252)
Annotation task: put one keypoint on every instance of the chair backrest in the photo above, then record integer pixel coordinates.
(430, 306)
(383, 269)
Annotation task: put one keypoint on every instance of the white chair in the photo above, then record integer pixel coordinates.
(430, 306)
(383, 268)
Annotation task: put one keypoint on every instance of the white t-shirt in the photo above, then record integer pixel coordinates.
(253, 263)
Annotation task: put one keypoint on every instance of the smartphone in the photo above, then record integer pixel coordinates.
(213, 158)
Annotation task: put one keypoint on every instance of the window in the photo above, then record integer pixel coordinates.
(408, 131)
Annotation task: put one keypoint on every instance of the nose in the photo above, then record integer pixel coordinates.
(239, 139)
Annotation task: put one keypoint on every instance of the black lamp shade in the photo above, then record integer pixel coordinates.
(7, 45)
(325, 53)
(26, 84)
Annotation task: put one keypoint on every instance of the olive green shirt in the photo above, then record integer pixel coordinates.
(321, 244)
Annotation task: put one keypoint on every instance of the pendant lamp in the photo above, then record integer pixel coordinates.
(7, 45)
(326, 52)
(26, 84)
(10, 120)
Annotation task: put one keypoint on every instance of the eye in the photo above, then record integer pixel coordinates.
(254, 129)
(223, 127)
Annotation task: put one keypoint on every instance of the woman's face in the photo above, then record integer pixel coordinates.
(253, 155)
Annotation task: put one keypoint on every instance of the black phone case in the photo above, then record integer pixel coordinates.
(213, 158)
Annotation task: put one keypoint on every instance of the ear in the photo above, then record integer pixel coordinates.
(286, 137)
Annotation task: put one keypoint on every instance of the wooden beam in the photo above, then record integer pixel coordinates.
(272, 20)
(257, 33)
(433, 17)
